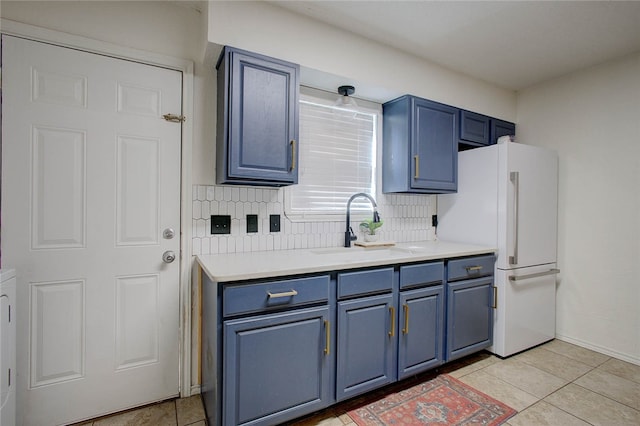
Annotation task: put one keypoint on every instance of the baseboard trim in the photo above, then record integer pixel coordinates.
(606, 351)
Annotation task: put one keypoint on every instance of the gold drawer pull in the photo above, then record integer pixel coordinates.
(327, 335)
(392, 311)
(473, 268)
(416, 159)
(405, 330)
(293, 155)
(283, 294)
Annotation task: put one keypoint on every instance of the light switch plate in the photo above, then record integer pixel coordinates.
(252, 223)
(274, 223)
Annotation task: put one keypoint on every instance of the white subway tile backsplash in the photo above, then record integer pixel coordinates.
(202, 193)
(406, 218)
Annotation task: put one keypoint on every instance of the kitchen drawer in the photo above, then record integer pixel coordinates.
(245, 298)
(365, 282)
(422, 274)
(470, 267)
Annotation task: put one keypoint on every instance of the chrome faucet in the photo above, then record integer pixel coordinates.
(348, 234)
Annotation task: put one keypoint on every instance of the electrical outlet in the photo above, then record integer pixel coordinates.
(220, 224)
(274, 223)
(252, 223)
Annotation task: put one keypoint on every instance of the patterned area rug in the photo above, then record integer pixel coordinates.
(442, 400)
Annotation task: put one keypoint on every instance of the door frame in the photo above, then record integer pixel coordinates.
(187, 68)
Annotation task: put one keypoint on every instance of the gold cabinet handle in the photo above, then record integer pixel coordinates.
(392, 311)
(293, 155)
(473, 268)
(495, 297)
(416, 161)
(327, 336)
(283, 294)
(405, 330)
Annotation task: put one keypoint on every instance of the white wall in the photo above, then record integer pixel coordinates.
(155, 26)
(274, 31)
(592, 118)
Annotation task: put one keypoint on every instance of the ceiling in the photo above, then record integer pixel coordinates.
(512, 44)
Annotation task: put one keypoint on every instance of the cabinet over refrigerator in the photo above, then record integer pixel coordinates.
(508, 197)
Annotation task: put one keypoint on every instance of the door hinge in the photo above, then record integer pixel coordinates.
(175, 118)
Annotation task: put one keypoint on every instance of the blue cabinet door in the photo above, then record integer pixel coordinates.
(366, 342)
(434, 146)
(258, 129)
(276, 367)
(469, 316)
(420, 146)
(474, 128)
(421, 335)
(501, 128)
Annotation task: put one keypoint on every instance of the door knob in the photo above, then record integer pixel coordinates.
(168, 256)
(168, 233)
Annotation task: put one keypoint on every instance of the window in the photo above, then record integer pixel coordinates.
(337, 157)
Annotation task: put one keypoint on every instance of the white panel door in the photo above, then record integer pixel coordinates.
(90, 180)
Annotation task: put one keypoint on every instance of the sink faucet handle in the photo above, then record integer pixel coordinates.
(353, 236)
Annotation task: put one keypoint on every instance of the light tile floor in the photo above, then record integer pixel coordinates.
(554, 384)
(177, 412)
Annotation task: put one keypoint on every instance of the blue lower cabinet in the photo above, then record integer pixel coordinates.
(277, 349)
(366, 342)
(277, 367)
(469, 316)
(421, 328)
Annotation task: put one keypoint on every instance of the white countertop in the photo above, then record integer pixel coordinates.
(265, 264)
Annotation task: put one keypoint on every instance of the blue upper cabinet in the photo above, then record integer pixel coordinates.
(474, 128)
(478, 130)
(257, 119)
(420, 146)
(501, 128)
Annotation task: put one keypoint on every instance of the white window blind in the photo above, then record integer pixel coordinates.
(337, 159)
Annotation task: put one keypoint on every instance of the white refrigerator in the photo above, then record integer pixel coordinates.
(508, 198)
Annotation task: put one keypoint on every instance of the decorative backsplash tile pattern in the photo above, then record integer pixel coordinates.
(406, 218)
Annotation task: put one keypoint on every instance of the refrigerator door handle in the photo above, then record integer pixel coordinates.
(536, 275)
(515, 178)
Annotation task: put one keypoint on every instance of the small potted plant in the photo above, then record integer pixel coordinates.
(369, 228)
